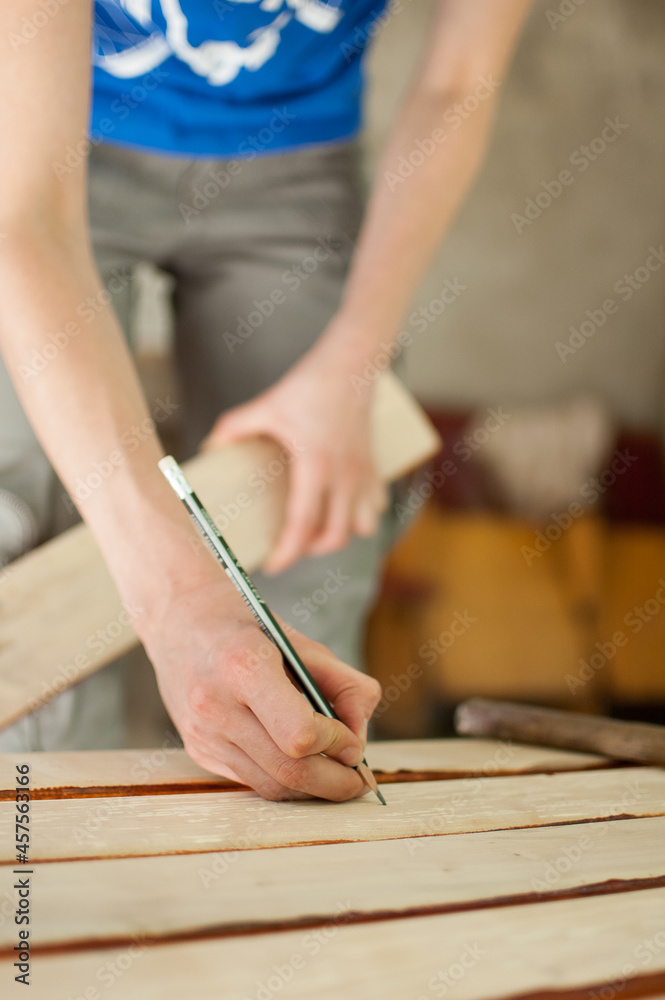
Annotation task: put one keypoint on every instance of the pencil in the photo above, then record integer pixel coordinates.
(256, 604)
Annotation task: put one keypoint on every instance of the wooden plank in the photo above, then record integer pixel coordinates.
(61, 618)
(168, 767)
(482, 757)
(564, 945)
(112, 900)
(171, 824)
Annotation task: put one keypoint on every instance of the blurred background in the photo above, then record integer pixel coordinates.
(532, 565)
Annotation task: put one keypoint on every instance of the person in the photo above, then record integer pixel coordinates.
(222, 147)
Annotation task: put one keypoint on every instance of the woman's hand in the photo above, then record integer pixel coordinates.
(319, 415)
(224, 684)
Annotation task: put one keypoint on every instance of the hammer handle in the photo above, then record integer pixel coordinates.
(634, 741)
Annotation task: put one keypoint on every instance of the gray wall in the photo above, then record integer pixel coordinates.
(497, 342)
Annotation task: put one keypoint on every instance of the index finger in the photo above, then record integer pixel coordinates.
(286, 715)
(302, 514)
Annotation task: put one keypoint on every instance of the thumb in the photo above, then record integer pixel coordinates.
(334, 740)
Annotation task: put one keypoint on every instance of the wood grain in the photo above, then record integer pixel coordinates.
(529, 951)
(224, 892)
(61, 618)
(171, 824)
(126, 771)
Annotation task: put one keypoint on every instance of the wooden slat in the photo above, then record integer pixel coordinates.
(112, 900)
(563, 945)
(60, 614)
(482, 757)
(128, 771)
(169, 824)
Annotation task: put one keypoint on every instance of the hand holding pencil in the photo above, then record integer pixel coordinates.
(271, 627)
(238, 712)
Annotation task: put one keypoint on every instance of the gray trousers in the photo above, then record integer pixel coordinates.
(258, 252)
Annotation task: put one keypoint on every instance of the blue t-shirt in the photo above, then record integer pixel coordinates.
(229, 78)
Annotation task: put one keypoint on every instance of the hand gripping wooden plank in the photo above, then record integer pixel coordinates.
(61, 617)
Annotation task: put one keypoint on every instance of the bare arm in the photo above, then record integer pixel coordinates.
(236, 710)
(431, 158)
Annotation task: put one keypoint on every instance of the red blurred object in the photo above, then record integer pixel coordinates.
(636, 497)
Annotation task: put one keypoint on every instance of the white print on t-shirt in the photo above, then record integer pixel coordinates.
(124, 52)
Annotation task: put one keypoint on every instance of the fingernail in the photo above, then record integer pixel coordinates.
(364, 731)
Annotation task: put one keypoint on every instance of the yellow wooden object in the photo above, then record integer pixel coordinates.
(635, 608)
(479, 604)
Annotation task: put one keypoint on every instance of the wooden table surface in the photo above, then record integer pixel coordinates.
(495, 871)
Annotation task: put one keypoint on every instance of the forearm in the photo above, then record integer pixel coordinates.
(81, 393)
(426, 170)
(431, 159)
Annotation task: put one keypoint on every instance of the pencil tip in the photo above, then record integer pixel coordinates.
(369, 779)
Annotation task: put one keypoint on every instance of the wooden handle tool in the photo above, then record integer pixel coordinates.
(634, 741)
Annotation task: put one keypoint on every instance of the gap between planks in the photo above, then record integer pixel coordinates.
(173, 824)
(178, 897)
(169, 770)
(224, 785)
(219, 932)
(553, 949)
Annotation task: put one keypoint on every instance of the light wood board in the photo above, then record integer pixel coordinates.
(61, 618)
(518, 951)
(170, 824)
(221, 892)
(528, 886)
(126, 770)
